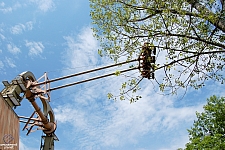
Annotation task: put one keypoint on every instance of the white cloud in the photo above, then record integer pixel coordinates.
(10, 62)
(35, 48)
(6, 10)
(29, 25)
(119, 123)
(98, 122)
(82, 51)
(13, 49)
(2, 36)
(19, 28)
(1, 64)
(83, 48)
(2, 4)
(22, 146)
(10, 8)
(44, 5)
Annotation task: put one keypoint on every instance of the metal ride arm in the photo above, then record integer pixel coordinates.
(26, 85)
(14, 92)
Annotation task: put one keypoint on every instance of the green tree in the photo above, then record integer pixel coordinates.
(189, 36)
(208, 132)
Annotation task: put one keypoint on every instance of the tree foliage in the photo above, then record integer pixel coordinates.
(208, 132)
(189, 36)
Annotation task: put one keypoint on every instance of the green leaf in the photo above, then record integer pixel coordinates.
(100, 52)
(117, 73)
(110, 96)
(208, 130)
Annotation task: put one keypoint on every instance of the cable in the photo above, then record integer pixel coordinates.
(89, 71)
(90, 79)
(93, 85)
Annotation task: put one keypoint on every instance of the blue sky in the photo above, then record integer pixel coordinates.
(55, 36)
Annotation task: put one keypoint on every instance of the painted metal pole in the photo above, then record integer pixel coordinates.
(90, 79)
(88, 71)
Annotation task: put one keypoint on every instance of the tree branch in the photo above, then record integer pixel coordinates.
(199, 39)
(198, 54)
(217, 22)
